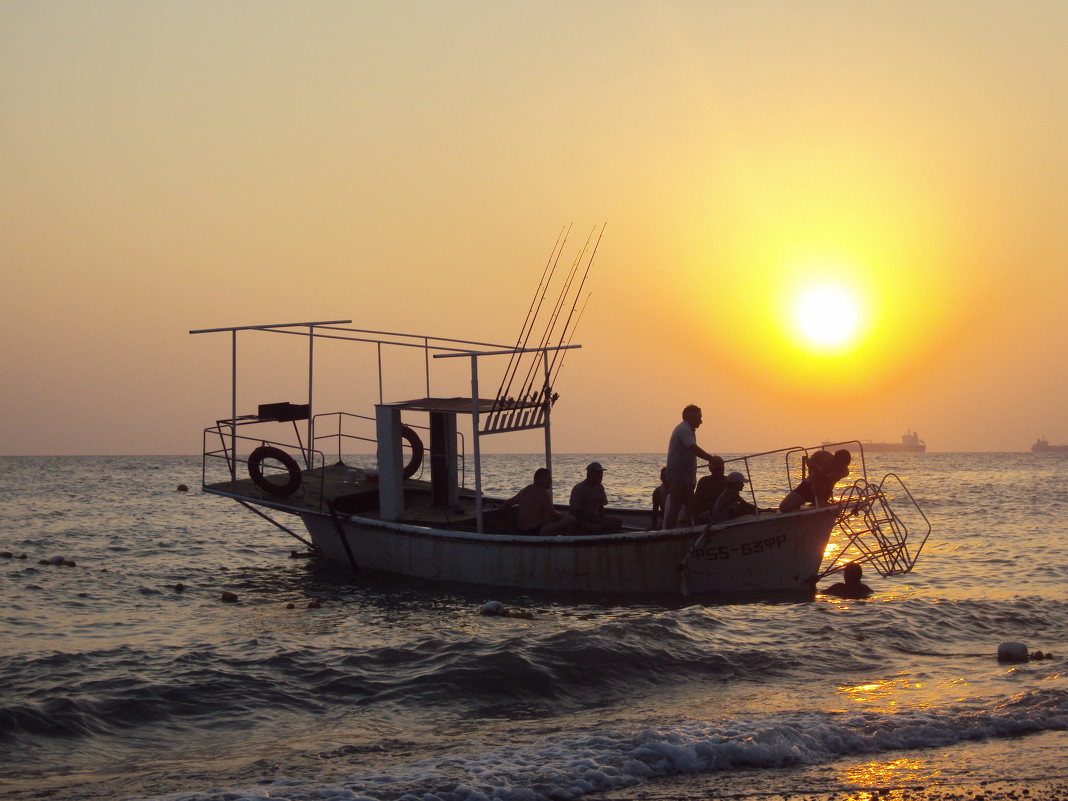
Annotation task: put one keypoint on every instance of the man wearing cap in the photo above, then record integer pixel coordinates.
(730, 503)
(588, 500)
(682, 454)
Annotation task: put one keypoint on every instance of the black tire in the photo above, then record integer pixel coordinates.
(416, 444)
(255, 470)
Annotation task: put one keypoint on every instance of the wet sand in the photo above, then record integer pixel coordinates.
(1026, 768)
(1022, 790)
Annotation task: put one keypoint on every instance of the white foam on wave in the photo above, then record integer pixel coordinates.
(571, 767)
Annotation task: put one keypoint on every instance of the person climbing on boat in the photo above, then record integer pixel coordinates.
(536, 515)
(682, 454)
(588, 500)
(852, 587)
(730, 503)
(824, 471)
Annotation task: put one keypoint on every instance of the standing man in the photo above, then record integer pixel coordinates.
(682, 454)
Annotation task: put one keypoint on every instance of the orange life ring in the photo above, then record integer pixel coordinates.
(416, 444)
(255, 470)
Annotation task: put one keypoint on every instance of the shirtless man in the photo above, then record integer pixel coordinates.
(537, 516)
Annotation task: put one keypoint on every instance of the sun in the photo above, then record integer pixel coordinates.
(827, 316)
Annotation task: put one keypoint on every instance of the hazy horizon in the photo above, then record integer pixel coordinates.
(825, 220)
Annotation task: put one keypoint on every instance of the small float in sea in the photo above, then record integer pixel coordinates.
(287, 461)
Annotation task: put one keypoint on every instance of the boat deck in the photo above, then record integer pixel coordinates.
(355, 491)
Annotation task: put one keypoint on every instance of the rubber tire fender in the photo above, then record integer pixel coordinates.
(416, 444)
(255, 470)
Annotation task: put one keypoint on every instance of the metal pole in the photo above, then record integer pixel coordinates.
(426, 359)
(233, 405)
(308, 458)
(380, 401)
(547, 405)
(478, 447)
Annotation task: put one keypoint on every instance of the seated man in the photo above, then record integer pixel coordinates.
(852, 587)
(730, 503)
(708, 490)
(588, 500)
(537, 517)
(824, 471)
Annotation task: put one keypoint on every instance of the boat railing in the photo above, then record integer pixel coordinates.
(768, 485)
(355, 434)
(879, 523)
(234, 450)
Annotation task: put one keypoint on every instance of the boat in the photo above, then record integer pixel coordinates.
(910, 443)
(1042, 446)
(289, 462)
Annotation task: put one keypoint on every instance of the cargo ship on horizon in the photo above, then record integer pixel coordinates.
(910, 443)
(1043, 446)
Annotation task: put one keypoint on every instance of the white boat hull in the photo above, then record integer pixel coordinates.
(769, 553)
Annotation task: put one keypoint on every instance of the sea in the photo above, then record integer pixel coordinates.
(125, 674)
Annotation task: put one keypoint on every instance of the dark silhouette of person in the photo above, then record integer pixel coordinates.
(730, 503)
(537, 516)
(824, 471)
(682, 454)
(852, 587)
(659, 499)
(588, 500)
(708, 490)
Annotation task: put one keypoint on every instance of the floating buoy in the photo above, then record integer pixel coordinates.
(291, 606)
(492, 608)
(55, 560)
(5, 554)
(1012, 652)
(497, 609)
(182, 488)
(179, 587)
(229, 597)
(314, 605)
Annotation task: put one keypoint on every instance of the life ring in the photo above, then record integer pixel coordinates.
(255, 469)
(416, 444)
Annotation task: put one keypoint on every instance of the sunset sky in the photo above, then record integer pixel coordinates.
(409, 166)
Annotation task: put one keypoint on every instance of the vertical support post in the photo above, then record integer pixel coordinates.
(426, 360)
(390, 466)
(548, 434)
(308, 458)
(233, 405)
(380, 372)
(478, 443)
(444, 486)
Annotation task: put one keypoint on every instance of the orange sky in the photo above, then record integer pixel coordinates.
(409, 165)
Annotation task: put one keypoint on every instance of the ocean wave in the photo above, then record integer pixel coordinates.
(574, 766)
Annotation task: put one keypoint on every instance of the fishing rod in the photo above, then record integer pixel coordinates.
(533, 311)
(528, 384)
(555, 366)
(578, 293)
